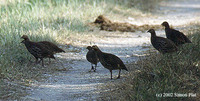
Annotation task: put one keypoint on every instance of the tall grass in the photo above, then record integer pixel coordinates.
(50, 20)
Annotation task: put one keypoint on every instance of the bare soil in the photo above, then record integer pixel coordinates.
(108, 25)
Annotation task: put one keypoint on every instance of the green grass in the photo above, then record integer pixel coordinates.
(169, 73)
(50, 20)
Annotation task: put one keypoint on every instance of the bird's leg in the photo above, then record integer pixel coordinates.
(36, 60)
(42, 62)
(95, 68)
(39, 61)
(49, 61)
(111, 74)
(119, 74)
(92, 68)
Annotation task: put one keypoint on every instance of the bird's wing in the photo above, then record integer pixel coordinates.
(111, 59)
(42, 48)
(91, 56)
(179, 35)
(165, 44)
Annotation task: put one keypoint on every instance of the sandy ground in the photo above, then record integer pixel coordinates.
(79, 84)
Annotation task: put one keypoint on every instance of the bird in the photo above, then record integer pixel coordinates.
(110, 61)
(91, 56)
(52, 47)
(176, 36)
(37, 50)
(163, 45)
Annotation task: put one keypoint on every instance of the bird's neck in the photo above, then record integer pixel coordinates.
(99, 52)
(153, 39)
(153, 34)
(167, 27)
(27, 39)
(27, 43)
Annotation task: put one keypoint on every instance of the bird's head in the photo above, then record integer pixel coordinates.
(166, 24)
(23, 42)
(25, 37)
(89, 48)
(151, 31)
(95, 47)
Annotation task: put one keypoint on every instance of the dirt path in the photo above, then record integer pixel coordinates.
(79, 84)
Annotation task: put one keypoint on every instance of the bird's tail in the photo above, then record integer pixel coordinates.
(124, 67)
(52, 56)
(61, 50)
(188, 41)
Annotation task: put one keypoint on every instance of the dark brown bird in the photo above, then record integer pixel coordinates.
(37, 49)
(110, 61)
(176, 36)
(91, 56)
(50, 46)
(163, 45)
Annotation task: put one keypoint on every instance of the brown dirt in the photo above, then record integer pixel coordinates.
(106, 24)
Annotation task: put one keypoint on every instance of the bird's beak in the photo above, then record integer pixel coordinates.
(22, 41)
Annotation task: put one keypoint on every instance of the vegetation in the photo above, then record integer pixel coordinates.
(176, 73)
(61, 20)
(50, 20)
